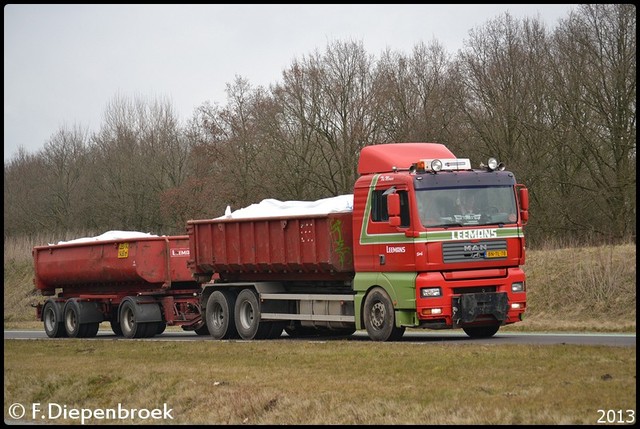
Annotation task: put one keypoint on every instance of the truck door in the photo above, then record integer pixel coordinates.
(393, 250)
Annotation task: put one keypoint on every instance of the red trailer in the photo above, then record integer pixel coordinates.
(139, 285)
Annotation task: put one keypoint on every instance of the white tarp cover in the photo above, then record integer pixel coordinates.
(276, 208)
(111, 235)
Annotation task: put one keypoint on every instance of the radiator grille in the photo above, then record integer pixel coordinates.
(474, 252)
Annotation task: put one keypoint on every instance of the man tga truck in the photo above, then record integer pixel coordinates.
(430, 243)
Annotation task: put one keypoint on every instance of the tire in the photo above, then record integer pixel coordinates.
(202, 330)
(53, 321)
(220, 315)
(72, 324)
(247, 317)
(379, 317)
(131, 328)
(481, 331)
(115, 327)
(89, 330)
(160, 327)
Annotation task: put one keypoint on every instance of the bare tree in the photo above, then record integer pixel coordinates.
(416, 95)
(594, 81)
(24, 189)
(328, 113)
(65, 160)
(504, 97)
(137, 154)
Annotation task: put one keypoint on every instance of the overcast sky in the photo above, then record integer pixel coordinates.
(64, 63)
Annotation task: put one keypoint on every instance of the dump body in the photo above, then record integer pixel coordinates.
(306, 247)
(133, 265)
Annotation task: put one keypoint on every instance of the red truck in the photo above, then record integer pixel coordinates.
(429, 243)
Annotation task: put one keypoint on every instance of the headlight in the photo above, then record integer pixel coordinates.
(430, 292)
(517, 287)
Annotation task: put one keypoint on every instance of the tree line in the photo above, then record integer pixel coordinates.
(558, 107)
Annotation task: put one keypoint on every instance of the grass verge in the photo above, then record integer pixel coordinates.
(333, 382)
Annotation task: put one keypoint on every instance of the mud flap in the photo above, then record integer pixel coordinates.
(467, 307)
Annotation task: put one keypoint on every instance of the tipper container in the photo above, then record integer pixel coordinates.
(107, 266)
(313, 247)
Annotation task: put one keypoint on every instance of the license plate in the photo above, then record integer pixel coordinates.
(496, 254)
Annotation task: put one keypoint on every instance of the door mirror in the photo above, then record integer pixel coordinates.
(393, 205)
(523, 196)
(393, 209)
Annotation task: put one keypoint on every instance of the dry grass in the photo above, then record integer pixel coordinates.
(333, 382)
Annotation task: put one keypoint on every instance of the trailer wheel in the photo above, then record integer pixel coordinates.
(52, 319)
(160, 327)
(72, 324)
(247, 317)
(131, 327)
(380, 318)
(220, 315)
(115, 327)
(481, 331)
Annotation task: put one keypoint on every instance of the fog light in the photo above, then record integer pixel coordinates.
(430, 311)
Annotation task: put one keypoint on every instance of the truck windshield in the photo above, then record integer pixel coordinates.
(466, 206)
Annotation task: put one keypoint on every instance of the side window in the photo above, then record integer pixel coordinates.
(379, 211)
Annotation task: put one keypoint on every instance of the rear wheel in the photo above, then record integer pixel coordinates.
(220, 315)
(379, 317)
(53, 323)
(247, 317)
(481, 331)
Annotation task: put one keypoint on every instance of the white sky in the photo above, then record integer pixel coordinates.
(64, 63)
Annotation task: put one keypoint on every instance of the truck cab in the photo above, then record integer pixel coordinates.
(439, 240)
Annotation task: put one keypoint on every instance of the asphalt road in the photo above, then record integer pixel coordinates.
(426, 337)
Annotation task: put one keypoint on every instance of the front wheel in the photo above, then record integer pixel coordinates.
(380, 318)
(481, 331)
